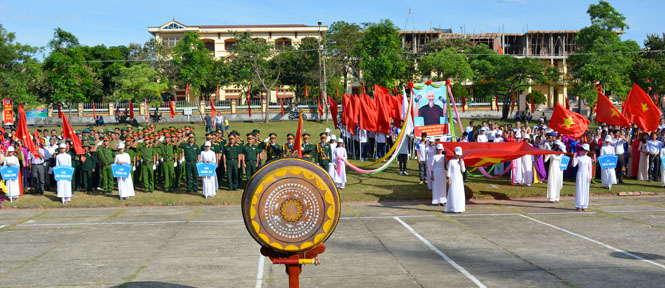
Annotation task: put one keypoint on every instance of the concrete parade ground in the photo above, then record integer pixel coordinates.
(619, 242)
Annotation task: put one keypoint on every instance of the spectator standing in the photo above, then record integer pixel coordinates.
(37, 165)
(207, 120)
(219, 123)
(64, 186)
(456, 199)
(583, 179)
(421, 157)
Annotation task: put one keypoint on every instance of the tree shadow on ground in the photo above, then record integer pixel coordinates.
(151, 284)
(647, 256)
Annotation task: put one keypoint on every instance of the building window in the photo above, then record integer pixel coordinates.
(173, 26)
(230, 45)
(210, 46)
(282, 43)
(171, 41)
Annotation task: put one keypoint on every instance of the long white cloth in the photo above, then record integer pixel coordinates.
(209, 182)
(662, 169)
(430, 158)
(582, 181)
(125, 184)
(643, 171)
(554, 177)
(438, 172)
(339, 177)
(527, 169)
(607, 175)
(64, 187)
(456, 198)
(517, 171)
(498, 168)
(14, 190)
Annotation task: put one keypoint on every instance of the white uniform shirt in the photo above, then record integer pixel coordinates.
(618, 145)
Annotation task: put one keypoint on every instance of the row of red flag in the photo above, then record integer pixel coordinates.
(371, 114)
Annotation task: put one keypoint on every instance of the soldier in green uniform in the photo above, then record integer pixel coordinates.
(148, 159)
(168, 153)
(323, 152)
(130, 148)
(251, 155)
(272, 149)
(105, 157)
(232, 161)
(218, 147)
(192, 153)
(88, 165)
(308, 149)
(287, 148)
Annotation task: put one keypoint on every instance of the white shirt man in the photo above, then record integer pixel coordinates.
(482, 138)
(362, 135)
(380, 137)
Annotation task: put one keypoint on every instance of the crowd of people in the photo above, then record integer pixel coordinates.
(162, 159)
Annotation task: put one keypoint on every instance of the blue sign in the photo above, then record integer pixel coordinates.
(121, 170)
(9, 172)
(608, 161)
(565, 160)
(63, 172)
(662, 160)
(206, 169)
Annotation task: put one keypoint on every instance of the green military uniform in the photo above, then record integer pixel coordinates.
(105, 157)
(76, 164)
(87, 166)
(218, 147)
(147, 157)
(180, 170)
(232, 151)
(191, 157)
(272, 150)
(308, 150)
(324, 153)
(168, 152)
(251, 153)
(133, 151)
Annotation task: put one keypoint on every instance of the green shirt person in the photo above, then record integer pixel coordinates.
(148, 158)
(105, 157)
(169, 152)
(323, 152)
(88, 166)
(273, 150)
(287, 148)
(232, 162)
(308, 149)
(251, 156)
(192, 153)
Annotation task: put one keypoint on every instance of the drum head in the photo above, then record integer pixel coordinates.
(290, 205)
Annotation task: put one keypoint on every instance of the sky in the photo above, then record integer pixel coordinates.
(123, 22)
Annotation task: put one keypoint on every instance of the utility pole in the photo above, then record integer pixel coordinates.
(322, 75)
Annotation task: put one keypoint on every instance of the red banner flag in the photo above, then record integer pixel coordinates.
(345, 110)
(352, 119)
(131, 110)
(297, 143)
(533, 107)
(306, 94)
(568, 122)
(217, 92)
(249, 100)
(384, 106)
(463, 104)
(368, 113)
(567, 104)
(477, 154)
(281, 102)
(23, 133)
(320, 108)
(496, 102)
(8, 108)
(68, 132)
(364, 92)
(187, 90)
(94, 110)
(147, 111)
(608, 113)
(59, 112)
(212, 108)
(640, 109)
(172, 108)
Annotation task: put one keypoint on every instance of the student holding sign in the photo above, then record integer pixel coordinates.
(608, 175)
(584, 165)
(555, 173)
(209, 182)
(12, 184)
(125, 184)
(64, 186)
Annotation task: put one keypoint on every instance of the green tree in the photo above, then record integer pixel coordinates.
(106, 63)
(444, 64)
(538, 97)
(601, 56)
(158, 55)
(381, 54)
(341, 43)
(503, 75)
(20, 72)
(649, 70)
(139, 83)
(458, 44)
(195, 62)
(299, 66)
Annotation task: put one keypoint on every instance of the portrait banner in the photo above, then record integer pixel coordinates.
(431, 114)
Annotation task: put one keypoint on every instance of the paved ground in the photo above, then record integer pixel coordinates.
(528, 243)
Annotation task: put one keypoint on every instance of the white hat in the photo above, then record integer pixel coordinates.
(121, 146)
(458, 151)
(62, 146)
(518, 134)
(207, 144)
(439, 146)
(327, 130)
(340, 140)
(333, 137)
(608, 138)
(526, 135)
(498, 132)
(431, 139)
(585, 146)
(10, 149)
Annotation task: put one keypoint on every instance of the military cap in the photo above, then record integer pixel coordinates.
(289, 136)
(106, 138)
(305, 135)
(191, 134)
(323, 134)
(86, 130)
(256, 131)
(273, 135)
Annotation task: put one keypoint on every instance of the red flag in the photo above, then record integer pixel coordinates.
(533, 107)
(496, 102)
(217, 92)
(364, 92)
(478, 154)
(131, 110)
(172, 108)
(568, 122)
(249, 99)
(368, 113)
(333, 109)
(68, 132)
(463, 104)
(281, 102)
(320, 108)
(94, 112)
(212, 108)
(397, 107)
(500, 50)
(641, 110)
(306, 94)
(59, 112)
(187, 90)
(297, 143)
(345, 109)
(352, 121)
(23, 133)
(147, 110)
(567, 104)
(384, 107)
(608, 113)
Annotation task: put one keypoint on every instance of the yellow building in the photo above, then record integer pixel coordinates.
(220, 41)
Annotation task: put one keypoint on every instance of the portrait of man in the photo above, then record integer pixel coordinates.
(431, 112)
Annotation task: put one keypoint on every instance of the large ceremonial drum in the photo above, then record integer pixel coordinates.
(290, 205)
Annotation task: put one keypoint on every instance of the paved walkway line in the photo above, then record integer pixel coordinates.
(259, 274)
(444, 256)
(595, 241)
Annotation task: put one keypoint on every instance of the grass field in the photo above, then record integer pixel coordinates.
(385, 186)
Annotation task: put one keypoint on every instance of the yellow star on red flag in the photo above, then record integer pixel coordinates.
(568, 122)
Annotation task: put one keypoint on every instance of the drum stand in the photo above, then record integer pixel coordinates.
(294, 262)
